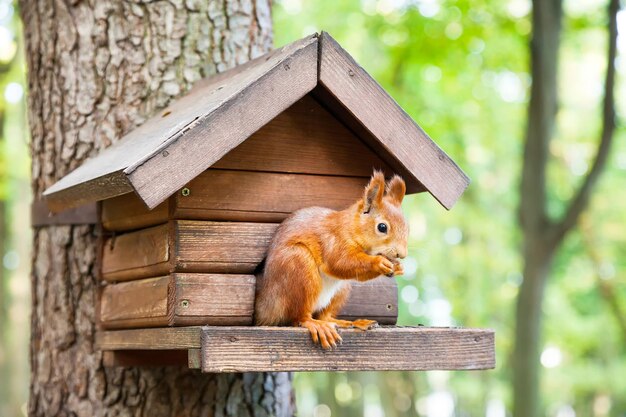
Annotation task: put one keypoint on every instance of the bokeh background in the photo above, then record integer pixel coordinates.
(461, 69)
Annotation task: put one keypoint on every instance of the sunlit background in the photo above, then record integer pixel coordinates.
(460, 68)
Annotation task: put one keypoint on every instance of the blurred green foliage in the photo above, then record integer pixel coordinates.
(460, 68)
(14, 220)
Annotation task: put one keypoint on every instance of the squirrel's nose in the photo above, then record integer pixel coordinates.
(401, 253)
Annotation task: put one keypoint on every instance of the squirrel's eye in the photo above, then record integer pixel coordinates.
(382, 227)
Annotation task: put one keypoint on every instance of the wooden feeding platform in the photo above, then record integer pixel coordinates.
(188, 203)
(256, 349)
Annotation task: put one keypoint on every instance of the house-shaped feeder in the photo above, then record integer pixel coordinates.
(191, 199)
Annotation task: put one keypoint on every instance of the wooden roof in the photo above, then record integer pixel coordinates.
(176, 145)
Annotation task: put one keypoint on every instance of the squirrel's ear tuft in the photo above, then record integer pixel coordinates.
(396, 188)
(373, 196)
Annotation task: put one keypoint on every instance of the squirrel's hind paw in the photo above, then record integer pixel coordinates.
(323, 332)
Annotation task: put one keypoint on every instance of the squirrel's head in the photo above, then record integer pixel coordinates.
(382, 228)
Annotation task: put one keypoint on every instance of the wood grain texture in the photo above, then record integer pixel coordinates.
(255, 196)
(214, 299)
(236, 195)
(246, 103)
(142, 303)
(188, 299)
(186, 246)
(234, 247)
(324, 96)
(128, 212)
(400, 136)
(253, 349)
(139, 254)
(167, 338)
(375, 300)
(179, 300)
(306, 138)
(141, 157)
(148, 160)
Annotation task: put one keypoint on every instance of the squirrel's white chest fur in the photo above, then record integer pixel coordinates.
(330, 287)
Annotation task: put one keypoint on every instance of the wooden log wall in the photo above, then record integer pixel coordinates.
(192, 259)
(183, 299)
(178, 300)
(186, 246)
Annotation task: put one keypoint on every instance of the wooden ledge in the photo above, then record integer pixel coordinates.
(264, 349)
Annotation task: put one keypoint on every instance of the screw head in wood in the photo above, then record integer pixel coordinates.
(184, 303)
(185, 192)
(351, 73)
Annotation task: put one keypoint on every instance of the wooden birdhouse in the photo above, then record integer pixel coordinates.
(191, 199)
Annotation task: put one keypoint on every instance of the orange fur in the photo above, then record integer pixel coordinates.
(316, 250)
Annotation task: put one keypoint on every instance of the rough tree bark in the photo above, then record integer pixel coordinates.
(96, 70)
(542, 235)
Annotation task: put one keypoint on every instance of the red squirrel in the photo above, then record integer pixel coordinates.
(317, 251)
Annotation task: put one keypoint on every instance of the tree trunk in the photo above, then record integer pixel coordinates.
(543, 236)
(97, 70)
(538, 251)
(537, 263)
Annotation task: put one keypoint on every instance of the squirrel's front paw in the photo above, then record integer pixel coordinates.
(383, 266)
(398, 269)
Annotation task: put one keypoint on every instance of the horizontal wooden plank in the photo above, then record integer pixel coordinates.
(231, 215)
(142, 303)
(186, 246)
(139, 254)
(40, 215)
(234, 195)
(188, 299)
(179, 300)
(146, 358)
(305, 138)
(215, 299)
(128, 212)
(166, 338)
(260, 194)
(342, 113)
(376, 299)
(277, 349)
(214, 246)
(256, 349)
